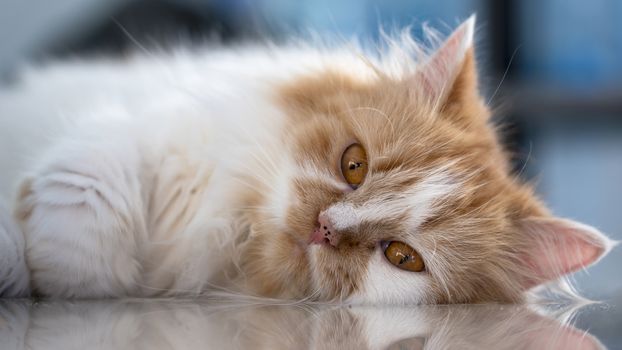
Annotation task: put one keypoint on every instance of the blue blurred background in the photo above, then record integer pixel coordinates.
(551, 69)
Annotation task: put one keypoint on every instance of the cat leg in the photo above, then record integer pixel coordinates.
(82, 217)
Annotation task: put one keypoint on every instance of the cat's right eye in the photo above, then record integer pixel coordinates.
(354, 165)
(403, 256)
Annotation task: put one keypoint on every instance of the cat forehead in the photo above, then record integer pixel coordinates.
(397, 134)
(381, 106)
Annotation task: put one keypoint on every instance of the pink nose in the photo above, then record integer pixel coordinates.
(324, 233)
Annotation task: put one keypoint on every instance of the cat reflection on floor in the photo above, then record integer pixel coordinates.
(185, 325)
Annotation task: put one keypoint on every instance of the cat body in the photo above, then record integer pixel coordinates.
(150, 166)
(176, 174)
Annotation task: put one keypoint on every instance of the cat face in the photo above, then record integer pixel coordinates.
(396, 190)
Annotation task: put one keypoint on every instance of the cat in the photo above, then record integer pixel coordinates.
(301, 171)
(174, 324)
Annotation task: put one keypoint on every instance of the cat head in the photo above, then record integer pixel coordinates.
(395, 189)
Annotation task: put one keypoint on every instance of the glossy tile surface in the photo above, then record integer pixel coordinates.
(210, 324)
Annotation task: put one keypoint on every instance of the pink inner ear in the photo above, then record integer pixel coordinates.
(560, 247)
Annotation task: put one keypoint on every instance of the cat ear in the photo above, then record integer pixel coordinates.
(450, 75)
(556, 247)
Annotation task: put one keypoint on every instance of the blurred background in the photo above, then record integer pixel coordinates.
(551, 69)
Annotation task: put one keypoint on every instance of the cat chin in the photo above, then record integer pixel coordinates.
(385, 284)
(382, 284)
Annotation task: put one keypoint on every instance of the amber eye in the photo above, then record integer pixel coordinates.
(354, 165)
(403, 256)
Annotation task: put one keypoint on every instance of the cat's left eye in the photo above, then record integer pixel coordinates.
(403, 256)
(354, 165)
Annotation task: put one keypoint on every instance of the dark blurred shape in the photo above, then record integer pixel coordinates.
(152, 23)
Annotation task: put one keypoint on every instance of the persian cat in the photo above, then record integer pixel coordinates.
(302, 172)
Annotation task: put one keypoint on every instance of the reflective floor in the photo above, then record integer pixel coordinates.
(166, 324)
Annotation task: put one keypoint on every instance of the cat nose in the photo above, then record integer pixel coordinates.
(325, 233)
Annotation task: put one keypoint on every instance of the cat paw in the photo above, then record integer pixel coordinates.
(83, 226)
